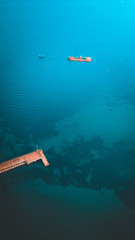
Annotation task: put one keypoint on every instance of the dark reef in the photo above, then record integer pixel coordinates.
(84, 164)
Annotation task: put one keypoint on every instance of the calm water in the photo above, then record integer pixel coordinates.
(81, 114)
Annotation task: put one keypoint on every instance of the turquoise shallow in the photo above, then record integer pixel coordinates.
(82, 114)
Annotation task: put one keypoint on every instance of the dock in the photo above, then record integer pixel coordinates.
(24, 159)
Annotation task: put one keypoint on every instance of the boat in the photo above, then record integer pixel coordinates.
(41, 56)
(80, 59)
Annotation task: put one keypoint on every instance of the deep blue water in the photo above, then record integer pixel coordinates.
(81, 114)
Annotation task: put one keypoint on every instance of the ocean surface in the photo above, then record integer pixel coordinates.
(81, 114)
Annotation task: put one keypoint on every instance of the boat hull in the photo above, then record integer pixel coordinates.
(79, 59)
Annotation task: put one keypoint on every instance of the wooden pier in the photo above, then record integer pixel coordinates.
(25, 159)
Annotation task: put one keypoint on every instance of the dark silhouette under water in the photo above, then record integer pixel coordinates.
(85, 164)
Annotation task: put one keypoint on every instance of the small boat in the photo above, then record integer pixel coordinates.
(41, 56)
(80, 59)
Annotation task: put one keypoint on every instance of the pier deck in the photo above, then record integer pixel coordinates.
(25, 159)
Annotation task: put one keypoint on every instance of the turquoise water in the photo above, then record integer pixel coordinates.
(81, 114)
